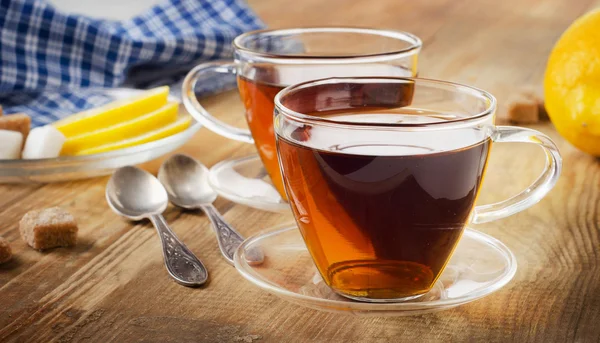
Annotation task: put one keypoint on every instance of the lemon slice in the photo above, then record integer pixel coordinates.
(182, 123)
(113, 113)
(124, 130)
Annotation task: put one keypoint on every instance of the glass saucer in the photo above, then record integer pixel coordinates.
(480, 265)
(245, 181)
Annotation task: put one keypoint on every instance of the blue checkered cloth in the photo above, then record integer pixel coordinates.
(51, 63)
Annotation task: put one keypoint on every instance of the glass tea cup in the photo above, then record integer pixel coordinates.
(382, 175)
(267, 61)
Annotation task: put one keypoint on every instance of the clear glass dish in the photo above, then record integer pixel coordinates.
(68, 168)
(245, 181)
(480, 266)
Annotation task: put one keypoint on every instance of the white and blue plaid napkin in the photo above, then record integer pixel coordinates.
(49, 58)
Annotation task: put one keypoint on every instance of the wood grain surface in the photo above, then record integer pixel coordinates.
(113, 287)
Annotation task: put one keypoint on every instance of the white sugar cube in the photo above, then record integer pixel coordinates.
(43, 142)
(10, 144)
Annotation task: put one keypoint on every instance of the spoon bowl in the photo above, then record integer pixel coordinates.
(186, 182)
(135, 193)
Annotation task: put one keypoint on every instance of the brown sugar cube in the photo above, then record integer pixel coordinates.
(542, 113)
(524, 110)
(527, 108)
(48, 228)
(5, 250)
(16, 122)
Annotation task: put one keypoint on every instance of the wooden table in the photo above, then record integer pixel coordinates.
(113, 286)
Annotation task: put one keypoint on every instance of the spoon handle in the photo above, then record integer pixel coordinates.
(181, 263)
(229, 239)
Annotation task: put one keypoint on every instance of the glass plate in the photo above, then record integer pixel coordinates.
(80, 167)
(480, 265)
(245, 181)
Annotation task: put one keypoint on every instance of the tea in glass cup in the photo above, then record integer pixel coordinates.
(382, 175)
(267, 61)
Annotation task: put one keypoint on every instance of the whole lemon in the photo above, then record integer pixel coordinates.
(572, 84)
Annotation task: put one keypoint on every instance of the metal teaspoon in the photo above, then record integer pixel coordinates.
(186, 182)
(136, 194)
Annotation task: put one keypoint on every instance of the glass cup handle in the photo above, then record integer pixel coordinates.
(537, 190)
(193, 106)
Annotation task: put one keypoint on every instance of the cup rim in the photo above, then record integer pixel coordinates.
(414, 41)
(469, 121)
